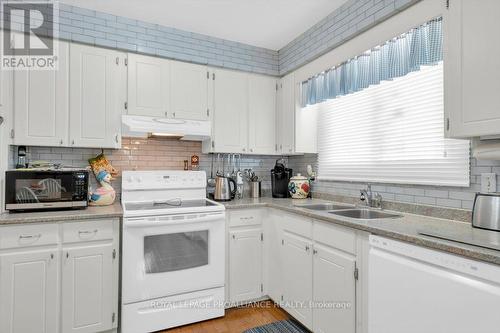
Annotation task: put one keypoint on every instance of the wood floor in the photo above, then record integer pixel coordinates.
(237, 320)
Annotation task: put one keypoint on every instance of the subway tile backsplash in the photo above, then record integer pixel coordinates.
(169, 154)
(144, 154)
(449, 197)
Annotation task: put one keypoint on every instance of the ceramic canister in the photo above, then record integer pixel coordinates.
(299, 187)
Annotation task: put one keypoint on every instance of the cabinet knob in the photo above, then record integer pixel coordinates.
(52, 256)
(61, 142)
(244, 149)
(251, 150)
(166, 114)
(234, 236)
(315, 251)
(72, 142)
(116, 138)
(307, 248)
(173, 114)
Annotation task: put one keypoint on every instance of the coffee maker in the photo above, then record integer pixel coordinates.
(280, 176)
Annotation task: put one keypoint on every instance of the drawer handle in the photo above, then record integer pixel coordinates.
(35, 237)
(246, 218)
(87, 232)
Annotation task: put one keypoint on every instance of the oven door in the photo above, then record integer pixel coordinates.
(172, 254)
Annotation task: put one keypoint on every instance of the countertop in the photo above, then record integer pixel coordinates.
(406, 228)
(91, 212)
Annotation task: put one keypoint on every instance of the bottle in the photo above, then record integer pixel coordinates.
(21, 157)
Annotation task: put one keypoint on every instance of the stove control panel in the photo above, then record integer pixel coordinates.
(170, 179)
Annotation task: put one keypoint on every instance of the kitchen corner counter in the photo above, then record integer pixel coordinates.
(91, 212)
(406, 229)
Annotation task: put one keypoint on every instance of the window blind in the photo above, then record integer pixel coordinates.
(391, 133)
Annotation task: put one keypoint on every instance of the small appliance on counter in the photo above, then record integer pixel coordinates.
(46, 189)
(223, 190)
(299, 187)
(280, 176)
(486, 211)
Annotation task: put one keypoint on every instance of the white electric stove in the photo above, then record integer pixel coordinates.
(173, 251)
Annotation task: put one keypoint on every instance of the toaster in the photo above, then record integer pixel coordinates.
(486, 211)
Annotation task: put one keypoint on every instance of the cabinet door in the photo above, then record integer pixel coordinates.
(273, 262)
(148, 86)
(262, 114)
(41, 104)
(29, 284)
(97, 96)
(286, 115)
(231, 111)
(297, 277)
(245, 264)
(188, 91)
(87, 288)
(472, 74)
(333, 285)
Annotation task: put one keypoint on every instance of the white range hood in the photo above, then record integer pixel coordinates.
(142, 126)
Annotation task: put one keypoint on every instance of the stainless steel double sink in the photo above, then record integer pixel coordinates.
(349, 211)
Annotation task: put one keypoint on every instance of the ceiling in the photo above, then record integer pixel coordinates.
(266, 23)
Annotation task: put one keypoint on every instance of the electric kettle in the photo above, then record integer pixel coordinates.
(486, 211)
(223, 190)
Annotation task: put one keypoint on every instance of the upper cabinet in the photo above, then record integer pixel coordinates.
(41, 100)
(162, 88)
(262, 114)
(244, 119)
(189, 91)
(472, 69)
(285, 128)
(230, 120)
(97, 96)
(148, 86)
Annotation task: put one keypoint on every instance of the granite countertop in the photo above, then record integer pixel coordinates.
(92, 212)
(406, 228)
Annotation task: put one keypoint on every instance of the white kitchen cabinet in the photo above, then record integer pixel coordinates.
(245, 264)
(97, 96)
(41, 101)
(189, 91)
(29, 291)
(261, 114)
(285, 129)
(148, 86)
(296, 255)
(230, 119)
(51, 284)
(273, 265)
(87, 288)
(472, 71)
(333, 285)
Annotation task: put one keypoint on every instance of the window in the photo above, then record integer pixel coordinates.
(392, 132)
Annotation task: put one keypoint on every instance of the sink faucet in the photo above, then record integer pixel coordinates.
(371, 199)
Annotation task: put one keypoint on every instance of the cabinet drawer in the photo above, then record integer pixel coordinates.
(88, 231)
(334, 236)
(245, 217)
(28, 235)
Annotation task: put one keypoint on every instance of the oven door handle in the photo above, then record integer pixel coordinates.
(141, 222)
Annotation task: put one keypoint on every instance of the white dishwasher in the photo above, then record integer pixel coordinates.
(417, 290)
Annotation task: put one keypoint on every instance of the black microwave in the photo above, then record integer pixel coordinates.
(46, 189)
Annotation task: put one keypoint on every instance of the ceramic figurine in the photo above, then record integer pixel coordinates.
(104, 195)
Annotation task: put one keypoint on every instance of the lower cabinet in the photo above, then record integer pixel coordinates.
(245, 264)
(297, 277)
(59, 277)
(245, 248)
(29, 291)
(308, 267)
(87, 288)
(334, 290)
